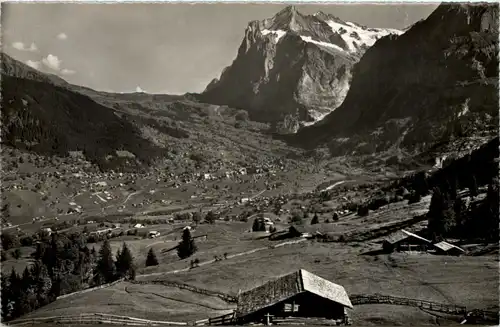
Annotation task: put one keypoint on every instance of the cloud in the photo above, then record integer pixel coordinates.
(33, 64)
(67, 71)
(33, 47)
(21, 47)
(62, 36)
(18, 45)
(52, 62)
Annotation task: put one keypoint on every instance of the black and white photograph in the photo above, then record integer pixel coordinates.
(249, 163)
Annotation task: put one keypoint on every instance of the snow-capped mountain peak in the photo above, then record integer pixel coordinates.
(323, 29)
(359, 37)
(293, 67)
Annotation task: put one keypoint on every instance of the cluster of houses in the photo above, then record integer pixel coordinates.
(407, 241)
(400, 241)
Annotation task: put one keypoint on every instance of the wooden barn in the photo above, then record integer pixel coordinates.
(298, 295)
(445, 248)
(405, 241)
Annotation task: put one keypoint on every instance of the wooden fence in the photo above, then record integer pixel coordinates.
(96, 318)
(201, 322)
(90, 289)
(226, 319)
(223, 296)
(427, 305)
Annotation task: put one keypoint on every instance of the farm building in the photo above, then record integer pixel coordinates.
(299, 231)
(292, 297)
(47, 230)
(448, 249)
(310, 231)
(405, 241)
(153, 234)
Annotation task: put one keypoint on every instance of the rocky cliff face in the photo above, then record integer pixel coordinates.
(436, 82)
(292, 68)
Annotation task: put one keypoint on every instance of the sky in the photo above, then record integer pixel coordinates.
(169, 48)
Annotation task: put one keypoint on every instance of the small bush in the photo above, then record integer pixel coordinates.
(296, 218)
(315, 220)
(363, 211)
(27, 241)
(151, 259)
(16, 254)
(414, 198)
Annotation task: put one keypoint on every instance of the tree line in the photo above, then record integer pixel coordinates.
(451, 216)
(62, 264)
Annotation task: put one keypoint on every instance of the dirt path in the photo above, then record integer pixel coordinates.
(256, 195)
(228, 257)
(178, 300)
(131, 195)
(333, 185)
(189, 268)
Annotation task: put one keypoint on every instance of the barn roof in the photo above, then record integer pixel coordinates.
(445, 246)
(322, 228)
(402, 235)
(287, 286)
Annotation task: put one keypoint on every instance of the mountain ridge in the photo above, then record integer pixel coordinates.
(435, 81)
(292, 69)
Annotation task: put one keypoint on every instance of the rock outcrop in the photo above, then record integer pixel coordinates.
(436, 82)
(293, 67)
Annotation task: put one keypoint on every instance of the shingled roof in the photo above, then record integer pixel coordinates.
(287, 286)
(445, 246)
(402, 235)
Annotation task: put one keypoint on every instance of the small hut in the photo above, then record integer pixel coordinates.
(299, 231)
(446, 248)
(405, 241)
(295, 296)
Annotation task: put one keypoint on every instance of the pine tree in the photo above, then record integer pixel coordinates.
(151, 259)
(125, 263)
(256, 225)
(196, 217)
(42, 281)
(210, 217)
(105, 265)
(460, 213)
(6, 297)
(27, 297)
(454, 188)
(9, 240)
(441, 218)
(473, 189)
(492, 213)
(315, 219)
(15, 293)
(186, 247)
